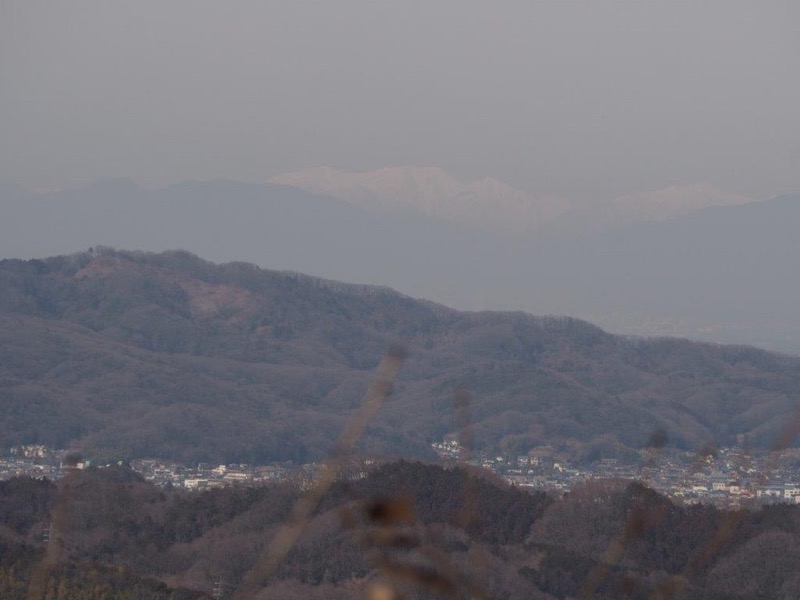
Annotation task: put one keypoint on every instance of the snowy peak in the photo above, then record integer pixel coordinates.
(489, 204)
(432, 192)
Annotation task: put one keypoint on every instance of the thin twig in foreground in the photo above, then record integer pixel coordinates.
(303, 509)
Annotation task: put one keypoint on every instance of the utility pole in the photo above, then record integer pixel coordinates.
(220, 589)
(48, 533)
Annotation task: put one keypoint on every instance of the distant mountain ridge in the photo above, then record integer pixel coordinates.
(432, 192)
(132, 355)
(489, 203)
(718, 274)
(673, 201)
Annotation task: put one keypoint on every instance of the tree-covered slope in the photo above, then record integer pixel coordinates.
(426, 531)
(132, 354)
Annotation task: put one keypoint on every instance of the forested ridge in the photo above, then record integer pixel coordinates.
(427, 531)
(124, 354)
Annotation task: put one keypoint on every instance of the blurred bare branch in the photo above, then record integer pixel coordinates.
(301, 514)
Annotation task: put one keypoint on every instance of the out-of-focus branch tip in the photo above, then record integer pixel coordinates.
(380, 591)
(397, 352)
(390, 511)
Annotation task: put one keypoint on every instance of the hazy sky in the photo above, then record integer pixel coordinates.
(574, 99)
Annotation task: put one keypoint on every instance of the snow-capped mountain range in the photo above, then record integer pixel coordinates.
(491, 204)
(432, 192)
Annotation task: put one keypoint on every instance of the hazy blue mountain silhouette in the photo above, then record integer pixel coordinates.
(719, 274)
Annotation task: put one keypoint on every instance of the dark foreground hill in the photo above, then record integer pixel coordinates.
(130, 355)
(425, 531)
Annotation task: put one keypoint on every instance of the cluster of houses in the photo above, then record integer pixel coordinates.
(727, 477)
(206, 476)
(40, 462)
(31, 460)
